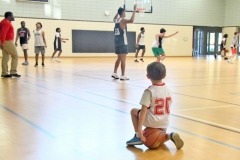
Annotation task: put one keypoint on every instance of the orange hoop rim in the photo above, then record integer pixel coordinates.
(141, 10)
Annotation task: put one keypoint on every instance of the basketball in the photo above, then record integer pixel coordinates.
(154, 137)
(227, 50)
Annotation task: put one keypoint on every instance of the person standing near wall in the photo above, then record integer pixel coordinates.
(8, 47)
(121, 44)
(40, 43)
(140, 45)
(24, 35)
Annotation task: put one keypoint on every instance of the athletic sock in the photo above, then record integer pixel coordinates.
(141, 58)
(135, 59)
(137, 134)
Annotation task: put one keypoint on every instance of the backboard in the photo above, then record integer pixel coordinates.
(147, 4)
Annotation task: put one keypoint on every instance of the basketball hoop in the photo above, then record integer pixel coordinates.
(141, 11)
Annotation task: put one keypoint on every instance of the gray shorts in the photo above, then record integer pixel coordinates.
(39, 49)
(121, 49)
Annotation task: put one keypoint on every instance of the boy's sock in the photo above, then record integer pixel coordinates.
(135, 58)
(141, 58)
(137, 135)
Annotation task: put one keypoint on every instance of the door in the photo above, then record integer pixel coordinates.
(198, 42)
(207, 40)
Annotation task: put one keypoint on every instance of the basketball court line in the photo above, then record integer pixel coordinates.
(28, 122)
(224, 127)
(205, 108)
(41, 129)
(206, 99)
(183, 116)
(114, 80)
(194, 134)
(236, 93)
(132, 103)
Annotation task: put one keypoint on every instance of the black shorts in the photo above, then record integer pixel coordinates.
(121, 49)
(57, 49)
(141, 47)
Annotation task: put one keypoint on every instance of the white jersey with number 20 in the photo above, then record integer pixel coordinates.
(158, 99)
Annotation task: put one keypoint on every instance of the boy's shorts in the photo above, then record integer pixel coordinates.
(39, 49)
(234, 50)
(158, 51)
(150, 122)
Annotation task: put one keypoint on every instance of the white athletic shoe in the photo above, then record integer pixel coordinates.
(115, 76)
(229, 61)
(52, 60)
(124, 78)
(58, 60)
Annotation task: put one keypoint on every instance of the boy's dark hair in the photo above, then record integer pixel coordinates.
(156, 71)
(22, 22)
(235, 33)
(39, 24)
(162, 30)
(225, 36)
(57, 29)
(120, 10)
(142, 29)
(8, 14)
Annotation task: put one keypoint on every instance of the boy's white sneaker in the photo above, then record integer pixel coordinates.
(52, 60)
(124, 78)
(115, 76)
(58, 60)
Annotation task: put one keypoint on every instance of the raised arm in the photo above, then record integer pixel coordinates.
(133, 16)
(115, 17)
(170, 35)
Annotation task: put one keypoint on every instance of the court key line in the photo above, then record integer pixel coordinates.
(206, 138)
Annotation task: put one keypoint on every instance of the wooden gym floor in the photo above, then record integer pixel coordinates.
(74, 110)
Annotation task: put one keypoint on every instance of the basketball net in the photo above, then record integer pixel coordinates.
(141, 11)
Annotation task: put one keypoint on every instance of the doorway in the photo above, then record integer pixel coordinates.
(207, 40)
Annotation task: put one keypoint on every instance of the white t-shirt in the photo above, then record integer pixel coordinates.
(38, 38)
(141, 40)
(158, 99)
(234, 42)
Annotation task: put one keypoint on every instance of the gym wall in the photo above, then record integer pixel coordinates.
(174, 46)
(173, 12)
(231, 16)
(89, 15)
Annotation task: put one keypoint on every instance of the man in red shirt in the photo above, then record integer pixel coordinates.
(8, 47)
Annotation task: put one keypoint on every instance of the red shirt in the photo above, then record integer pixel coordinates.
(6, 31)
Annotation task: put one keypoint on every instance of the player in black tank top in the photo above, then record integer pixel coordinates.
(58, 45)
(24, 35)
(222, 47)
